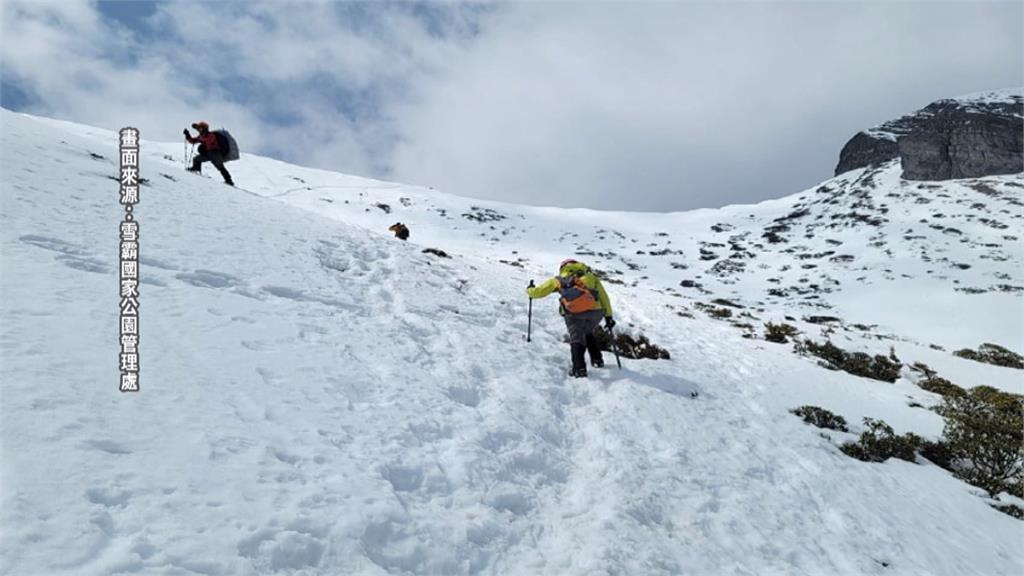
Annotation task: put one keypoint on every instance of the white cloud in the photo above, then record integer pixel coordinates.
(681, 105)
(641, 105)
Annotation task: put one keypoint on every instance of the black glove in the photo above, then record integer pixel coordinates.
(530, 285)
(185, 132)
(609, 322)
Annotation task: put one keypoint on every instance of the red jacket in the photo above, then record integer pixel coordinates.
(209, 140)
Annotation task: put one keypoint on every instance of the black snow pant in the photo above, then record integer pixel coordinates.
(581, 338)
(214, 157)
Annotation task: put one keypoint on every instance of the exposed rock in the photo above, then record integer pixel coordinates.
(866, 149)
(961, 142)
(966, 137)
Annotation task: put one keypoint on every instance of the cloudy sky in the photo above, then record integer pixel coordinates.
(618, 105)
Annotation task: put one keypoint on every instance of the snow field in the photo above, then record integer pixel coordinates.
(320, 398)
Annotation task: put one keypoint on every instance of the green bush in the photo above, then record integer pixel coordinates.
(779, 332)
(716, 312)
(938, 453)
(985, 433)
(821, 418)
(878, 367)
(941, 386)
(879, 443)
(630, 347)
(1011, 509)
(993, 354)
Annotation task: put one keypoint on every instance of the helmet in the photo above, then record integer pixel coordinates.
(567, 262)
(201, 125)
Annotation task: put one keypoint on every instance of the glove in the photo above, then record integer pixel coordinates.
(530, 285)
(609, 322)
(185, 132)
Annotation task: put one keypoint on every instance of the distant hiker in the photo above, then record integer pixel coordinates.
(401, 230)
(213, 148)
(583, 303)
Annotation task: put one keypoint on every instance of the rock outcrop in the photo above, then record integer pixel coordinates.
(977, 135)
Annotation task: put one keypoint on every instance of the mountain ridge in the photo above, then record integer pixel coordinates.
(969, 136)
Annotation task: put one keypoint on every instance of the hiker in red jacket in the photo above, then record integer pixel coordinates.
(209, 150)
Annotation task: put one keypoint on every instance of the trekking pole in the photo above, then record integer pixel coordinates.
(529, 315)
(615, 348)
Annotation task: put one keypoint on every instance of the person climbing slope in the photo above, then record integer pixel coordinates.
(210, 150)
(583, 303)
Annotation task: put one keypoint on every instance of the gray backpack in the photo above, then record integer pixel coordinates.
(227, 144)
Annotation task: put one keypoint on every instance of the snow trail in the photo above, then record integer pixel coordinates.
(320, 398)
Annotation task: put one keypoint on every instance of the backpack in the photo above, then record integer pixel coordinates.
(226, 143)
(576, 296)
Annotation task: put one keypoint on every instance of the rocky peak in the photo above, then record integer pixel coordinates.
(970, 136)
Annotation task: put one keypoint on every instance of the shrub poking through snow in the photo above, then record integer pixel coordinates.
(879, 443)
(993, 354)
(1011, 509)
(436, 252)
(940, 386)
(938, 452)
(821, 418)
(780, 333)
(985, 433)
(717, 312)
(629, 347)
(878, 367)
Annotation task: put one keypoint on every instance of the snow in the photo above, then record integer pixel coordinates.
(318, 397)
(1000, 96)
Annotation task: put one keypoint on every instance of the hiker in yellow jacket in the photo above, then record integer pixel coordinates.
(583, 303)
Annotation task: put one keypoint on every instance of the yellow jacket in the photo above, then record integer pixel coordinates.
(585, 274)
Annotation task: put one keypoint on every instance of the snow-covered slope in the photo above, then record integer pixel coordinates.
(321, 398)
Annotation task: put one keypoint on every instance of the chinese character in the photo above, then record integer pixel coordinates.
(129, 230)
(129, 175)
(129, 343)
(129, 250)
(129, 269)
(130, 382)
(129, 307)
(130, 195)
(129, 137)
(129, 362)
(129, 324)
(129, 288)
(129, 157)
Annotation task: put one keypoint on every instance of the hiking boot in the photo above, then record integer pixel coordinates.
(197, 170)
(578, 372)
(597, 364)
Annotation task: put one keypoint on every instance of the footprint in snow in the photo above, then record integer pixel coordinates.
(271, 550)
(209, 279)
(108, 497)
(70, 255)
(108, 446)
(403, 478)
(469, 396)
(301, 296)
